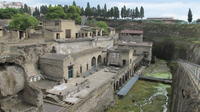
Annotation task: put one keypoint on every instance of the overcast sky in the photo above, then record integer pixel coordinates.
(153, 8)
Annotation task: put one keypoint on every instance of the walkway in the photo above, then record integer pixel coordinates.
(124, 90)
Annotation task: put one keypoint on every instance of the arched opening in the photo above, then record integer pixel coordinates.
(99, 60)
(124, 79)
(120, 82)
(114, 86)
(117, 85)
(53, 50)
(93, 62)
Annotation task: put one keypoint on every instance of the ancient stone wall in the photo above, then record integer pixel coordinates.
(193, 53)
(99, 100)
(186, 94)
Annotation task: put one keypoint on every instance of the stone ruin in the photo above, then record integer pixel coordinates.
(17, 93)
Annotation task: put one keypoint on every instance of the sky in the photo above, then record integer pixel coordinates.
(153, 8)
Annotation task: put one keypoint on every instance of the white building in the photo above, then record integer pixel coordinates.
(5, 4)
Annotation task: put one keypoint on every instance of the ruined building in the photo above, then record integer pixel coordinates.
(72, 69)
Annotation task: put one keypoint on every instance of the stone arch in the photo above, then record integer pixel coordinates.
(99, 60)
(93, 62)
(53, 50)
(126, 77)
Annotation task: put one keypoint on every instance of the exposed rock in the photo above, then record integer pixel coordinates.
(11, 80)
(194, 54)
(32, 95)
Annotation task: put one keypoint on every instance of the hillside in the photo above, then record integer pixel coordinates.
(171, 41)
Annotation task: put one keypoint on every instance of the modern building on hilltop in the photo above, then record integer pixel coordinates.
(5, 4)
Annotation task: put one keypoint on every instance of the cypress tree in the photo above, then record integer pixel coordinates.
(122, 12)
(98, 10)
(105, 11)
(133, 14)
(74, 3)
(116, 12)
(190, 16)
(88, 11)
(137, 13)
(36, 13)
(141, 12)
(82, 11)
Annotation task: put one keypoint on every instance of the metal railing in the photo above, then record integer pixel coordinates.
(193, 69)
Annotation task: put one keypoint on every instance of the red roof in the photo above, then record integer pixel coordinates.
(132, 31)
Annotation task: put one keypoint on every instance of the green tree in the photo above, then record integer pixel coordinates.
(88, 11)
(74, 13)
(94, 12)
(190, 16)
(23, 22)
(103, 25)
(82, 11)
(98, 10)
(133, 14)
(74, 3)
(7, 13)
(111, 12)
(26, 9)
(105, 11)
(36, 13)
(123, 12)
(43, 9)
(141, 12)
(116, 12)
(56, 13)
(137, 13)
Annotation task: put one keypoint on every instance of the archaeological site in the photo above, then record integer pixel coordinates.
(70, 58)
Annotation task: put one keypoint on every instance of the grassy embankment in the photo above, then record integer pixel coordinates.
(138, 96)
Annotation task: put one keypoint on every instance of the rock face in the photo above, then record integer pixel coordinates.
(32, 95)
(194, 53)
(185, 92)
(11, 80)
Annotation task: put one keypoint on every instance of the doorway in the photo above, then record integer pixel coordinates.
(70, 71)
(68, 33)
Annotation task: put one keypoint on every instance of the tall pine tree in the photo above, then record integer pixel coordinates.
(36, 13)
(98, 10)
(74, 3)
(105, 11)
(88, 10)
(133, 13)
(137, 13)
(141, 12)
(190, 16)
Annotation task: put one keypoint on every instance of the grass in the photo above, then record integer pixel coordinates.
(144, 90)
(141, 91)
(158, 70)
